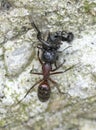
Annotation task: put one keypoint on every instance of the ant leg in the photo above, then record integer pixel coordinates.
(39, 35)
(39, 47)
(64, 49)
(54, 82)
(35, 73)
(63, 61)
(42, 41)
(59, 72)
(40, 63)
(58, 66)
(28, 91)
(39, 58)
(33, 24)
(62, 71)
(55, 64)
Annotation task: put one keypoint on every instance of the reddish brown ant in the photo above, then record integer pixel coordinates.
(44, 89)
(49, 56)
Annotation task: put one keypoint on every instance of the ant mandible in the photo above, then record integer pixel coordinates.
(44, 89)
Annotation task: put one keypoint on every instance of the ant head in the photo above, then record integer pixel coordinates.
(44, 91)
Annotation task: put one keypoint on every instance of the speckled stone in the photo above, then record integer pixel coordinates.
(18, 56)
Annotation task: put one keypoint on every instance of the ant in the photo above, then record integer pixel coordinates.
(49, 56)
(50, 47)
(44, 89)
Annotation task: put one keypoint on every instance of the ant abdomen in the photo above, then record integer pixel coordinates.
(44, 91)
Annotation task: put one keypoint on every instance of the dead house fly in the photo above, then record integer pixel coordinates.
(49, 56)
(50, 47)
